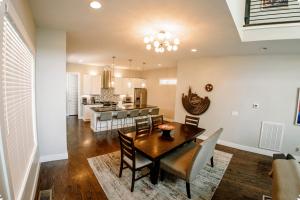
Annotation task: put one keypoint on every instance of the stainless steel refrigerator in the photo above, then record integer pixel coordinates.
(140, 96)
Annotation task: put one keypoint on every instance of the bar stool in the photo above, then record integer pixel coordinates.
(144, 113)
(154, 112)
(132, 115)
(105, 117)
(121, 115)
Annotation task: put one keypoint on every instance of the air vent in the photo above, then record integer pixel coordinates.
(45, 195)
(271, 136)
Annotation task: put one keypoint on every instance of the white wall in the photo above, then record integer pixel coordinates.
(270, 81)
(162, 96)
(51, 94)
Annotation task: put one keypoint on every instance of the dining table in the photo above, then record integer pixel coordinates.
(154, 147)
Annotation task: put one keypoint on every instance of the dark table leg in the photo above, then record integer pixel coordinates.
(154, 172)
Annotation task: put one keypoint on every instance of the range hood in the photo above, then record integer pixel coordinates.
(106, 79)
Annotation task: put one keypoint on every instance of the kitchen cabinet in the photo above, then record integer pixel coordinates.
(91, 84)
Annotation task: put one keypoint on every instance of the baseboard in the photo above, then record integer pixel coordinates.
(242, 147)
(54, 157)
(36, 179)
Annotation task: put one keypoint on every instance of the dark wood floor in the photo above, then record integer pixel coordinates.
(245, 179)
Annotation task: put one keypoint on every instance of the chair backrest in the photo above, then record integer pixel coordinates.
(190, 120)
(121, 114)
(156, 121)
(127, 147)
(142, 126)
(203, 154)
(134, 113)
(144, 112)
(106, 116)
(154, 111)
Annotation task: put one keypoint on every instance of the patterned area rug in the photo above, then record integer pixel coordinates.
(106, 169)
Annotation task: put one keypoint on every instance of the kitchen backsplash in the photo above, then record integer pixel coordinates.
(109, 95)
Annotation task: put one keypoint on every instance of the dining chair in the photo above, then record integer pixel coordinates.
(193, 121)
(156, 121)
(142, 127)
(104, 117)
(133, 160)
(187, 161)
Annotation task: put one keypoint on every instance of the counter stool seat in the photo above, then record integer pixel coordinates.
(104, 117)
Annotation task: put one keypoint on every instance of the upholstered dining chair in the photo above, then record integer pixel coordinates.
(142, 127)
(131, 158)
(193, 121)
(187, 161)
(156, 121)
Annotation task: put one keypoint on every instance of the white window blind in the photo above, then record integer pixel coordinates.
(17, 76)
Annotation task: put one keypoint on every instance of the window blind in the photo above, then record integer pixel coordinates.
(17, 83)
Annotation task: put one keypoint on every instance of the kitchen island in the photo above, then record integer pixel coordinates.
(96, 112)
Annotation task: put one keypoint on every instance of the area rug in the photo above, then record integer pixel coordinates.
(106, 169)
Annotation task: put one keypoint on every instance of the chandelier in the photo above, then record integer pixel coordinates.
(161, 42)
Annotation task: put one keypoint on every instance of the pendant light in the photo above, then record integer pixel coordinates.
(113, 71)
(143, 83)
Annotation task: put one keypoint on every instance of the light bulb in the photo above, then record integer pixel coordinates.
(175, 48)
(95, 5)
(148, 46)
(168, 35)
(169, 48)
(156, 43)
(143, 85)
(161, 35)
(157, 50)
(146, 40)
(176, 41)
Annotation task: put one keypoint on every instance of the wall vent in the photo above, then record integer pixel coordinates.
(271, 136)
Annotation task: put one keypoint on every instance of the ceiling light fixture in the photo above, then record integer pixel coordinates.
(194, 50)
(161, 42)
(95, 5)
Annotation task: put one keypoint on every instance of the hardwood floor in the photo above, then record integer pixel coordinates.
(245, 179)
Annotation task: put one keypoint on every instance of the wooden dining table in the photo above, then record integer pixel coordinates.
(155, 147)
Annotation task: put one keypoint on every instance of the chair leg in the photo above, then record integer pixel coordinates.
(212, 161)
(188, 190)
(121, 168)
(162, 175)
(132, 181)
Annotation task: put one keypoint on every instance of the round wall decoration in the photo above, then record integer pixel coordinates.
(209, 87)
(194, 104)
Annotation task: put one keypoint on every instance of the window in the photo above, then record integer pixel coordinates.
(17, 104)
(168, 81)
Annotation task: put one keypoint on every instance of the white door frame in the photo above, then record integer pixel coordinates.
(78, 92)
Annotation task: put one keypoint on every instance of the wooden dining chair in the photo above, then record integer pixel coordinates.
(133, 160)
(187, 161)
(193, 121)
(156, 121)
(142, 126)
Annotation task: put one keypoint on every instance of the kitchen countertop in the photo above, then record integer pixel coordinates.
(122, 108)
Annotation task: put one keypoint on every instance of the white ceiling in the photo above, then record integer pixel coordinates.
(118, 28)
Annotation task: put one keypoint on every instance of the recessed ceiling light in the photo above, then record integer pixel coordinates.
(95, 4)
(80, 61)
(194, 50)
(159, 65)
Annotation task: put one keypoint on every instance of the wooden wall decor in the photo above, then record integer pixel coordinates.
(194, 104)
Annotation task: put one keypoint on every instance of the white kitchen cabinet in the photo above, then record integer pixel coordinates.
(91, 84)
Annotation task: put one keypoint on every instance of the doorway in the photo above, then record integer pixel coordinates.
(72, 93)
